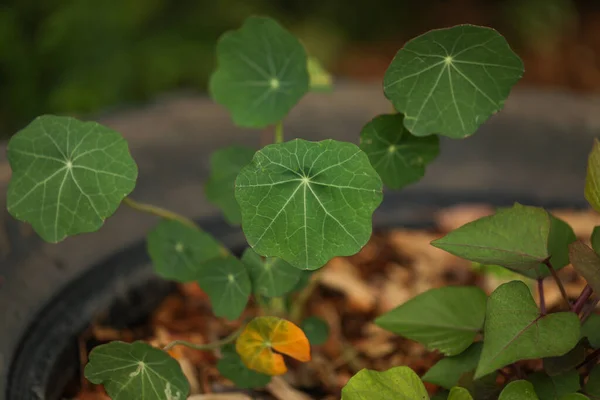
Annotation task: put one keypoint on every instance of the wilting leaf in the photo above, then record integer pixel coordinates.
(232, 368)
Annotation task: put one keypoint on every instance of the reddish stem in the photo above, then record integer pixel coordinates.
(582, 299)
(563, 292)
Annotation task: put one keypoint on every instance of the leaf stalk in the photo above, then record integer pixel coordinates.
(208, 346)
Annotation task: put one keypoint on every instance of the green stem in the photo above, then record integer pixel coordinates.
(299, 303)
(277, 306)
(159, 212)
(207, 346)
(279, 132)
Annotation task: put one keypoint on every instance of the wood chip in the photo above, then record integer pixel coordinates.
(340, 274)
(282, 390)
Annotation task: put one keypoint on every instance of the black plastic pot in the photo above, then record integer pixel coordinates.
(530, 153)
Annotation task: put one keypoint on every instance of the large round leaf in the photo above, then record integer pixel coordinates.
(68, 176)
(307, 202)
(450, 81)
(262, 73)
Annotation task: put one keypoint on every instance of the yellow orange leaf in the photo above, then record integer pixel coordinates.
(262, 335)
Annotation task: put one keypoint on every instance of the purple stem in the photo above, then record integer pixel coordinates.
(582, 299)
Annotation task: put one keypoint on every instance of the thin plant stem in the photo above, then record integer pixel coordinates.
(589, 309)
(540, 286)
(159, 212)
(582, 299)
(207, 346)
(590, 359)
(279, 132)
(297, 309)
(563, 292)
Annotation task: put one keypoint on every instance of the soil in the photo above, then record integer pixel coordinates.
(349, 293)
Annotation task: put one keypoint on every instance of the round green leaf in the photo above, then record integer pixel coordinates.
(445, 319)
(225, 165)
(553, 387)
(177, 251)
(271, 277)
(448, 371)
(450, 81)
(399, 157)
(396, 383)
(232, 368)
(316, 330)
(592, 387)
(68, 176)
(459, 393)
(591, 330)
(307, 202)
(514, 329)
(136, 371)
(261, 74)
(227, 284)
(518, 390)
(592, 180)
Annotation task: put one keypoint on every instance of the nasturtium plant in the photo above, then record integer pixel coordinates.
(232, 367)
(271, 277)
(316, 330)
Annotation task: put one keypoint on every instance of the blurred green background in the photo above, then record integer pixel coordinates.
(86, 56)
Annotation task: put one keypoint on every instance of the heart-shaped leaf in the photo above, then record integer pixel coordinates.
(450, 81)
(68, 176)
(515, 330)
(559, 365)
(399, 157)
(225, 165)
(271, 277)
(320, 79)
(592, 387)
(592, 180)
(591, 330)
(131, 371)
(459, 393)
(587, 263)
(448, 371)
(178, 251)
(232, 368)
(307, 202)
(445, 319)
(262, 335)
(316, 330)
(518, 390)
(262, 73)
(554, 387)
(227, 284)
(398, 383)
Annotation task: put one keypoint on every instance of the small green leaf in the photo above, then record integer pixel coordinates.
(399, 157)
(592, 180)
(398, 383)
(307, 202)
(559, 365)
(448, 371)
(450, 81)
(271, 277)
(587, 263)
(320, 79)
(232, 368)
(553, 387)
(316, 330)
(458, 393)
(591, 330)
(445, 319)
(595, 239)
(518, 390)
(136, 371)
(262, 73)
(484, 388)
(178, 251)
(516, 238)
(574, 396)
(225, 165)
(68, 176)
(561, 236)
(227, 284)
(514, 329)
(592, 387)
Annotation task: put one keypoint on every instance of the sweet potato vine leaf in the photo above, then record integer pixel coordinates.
(68, 176)
(554, 387)
(459, 393)
(587, 263)
(136, 370)
(591, 330)
(271, 277)
(514, 329)
(399, 383)
(445, 319)
(262, 335)
(592, 387)
(448, 371)
(592, 180)
(307, 202)
(519, 390)
(399, 157)
(261, 73)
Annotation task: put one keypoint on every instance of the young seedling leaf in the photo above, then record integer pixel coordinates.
(445, 319)
(459, 393)
(448, 371)
(227, 284)
(399, 157)
(271, 277)
(178, 251)
(232, 368)
(591, 330)
(261, 73)
(561, 364)
(307, 202)
(519, 390)
(592, 387)
(316, 330)
(68, 176)
(225, 165)
(516, 238)
(396, 383)
(262, 335)
(592, 180)
(554, 387)
(136, 370)
(450, 81)
(595, 239)
(515, 330)
(320, 79)
(587, 263)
